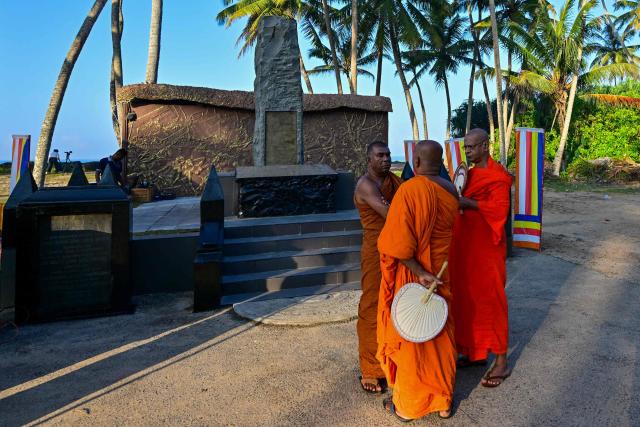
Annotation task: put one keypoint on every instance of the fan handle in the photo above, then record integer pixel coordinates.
(426, 297)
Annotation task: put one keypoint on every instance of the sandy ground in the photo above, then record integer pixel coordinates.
(600, 230)
(574, 348)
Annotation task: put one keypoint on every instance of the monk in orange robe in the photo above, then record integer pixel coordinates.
(477, 263)
(413, 245)
(373, 194)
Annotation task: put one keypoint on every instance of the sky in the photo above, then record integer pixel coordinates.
(35, 36)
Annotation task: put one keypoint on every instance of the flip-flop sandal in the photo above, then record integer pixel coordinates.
(390, 407)
(464, 362)
(501, 378)
(381, 383)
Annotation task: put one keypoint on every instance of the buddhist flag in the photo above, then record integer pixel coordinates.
(454, 150)
(19, 158)
(527, 221)
(409, 147)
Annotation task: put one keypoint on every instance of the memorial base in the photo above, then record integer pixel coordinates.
(280, 190)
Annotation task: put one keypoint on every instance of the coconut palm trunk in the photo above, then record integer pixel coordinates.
(354, 47)
(496, 58)
(379, 70)
(395, 47)
(332, 44)
(51, 116)
(485, 88)
(117, 23)
(446, 90)
(566, 122)
(155, 31)
(467, 126)
(305, 76)
(425, 127)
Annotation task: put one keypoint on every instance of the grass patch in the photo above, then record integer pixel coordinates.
(566, 185)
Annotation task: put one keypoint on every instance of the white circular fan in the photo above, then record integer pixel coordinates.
(419, 314)
(460, 177)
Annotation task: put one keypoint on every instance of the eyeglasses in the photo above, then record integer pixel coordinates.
(472, 146)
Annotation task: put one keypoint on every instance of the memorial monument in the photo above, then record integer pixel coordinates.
(279, 183)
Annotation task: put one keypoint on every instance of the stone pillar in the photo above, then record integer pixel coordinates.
(277, 136)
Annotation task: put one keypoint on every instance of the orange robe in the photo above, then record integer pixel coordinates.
(477, 265)
(419, 225)
(372, 224)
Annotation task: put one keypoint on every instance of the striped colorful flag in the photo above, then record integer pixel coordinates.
(527, 221)
(19, 158)
(454, 149)
(409, 147)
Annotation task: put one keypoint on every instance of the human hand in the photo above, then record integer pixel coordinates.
(426, 279)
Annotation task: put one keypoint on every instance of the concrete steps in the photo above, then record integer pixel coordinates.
(270, 255)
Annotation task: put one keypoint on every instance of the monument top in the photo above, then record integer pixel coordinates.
(276, 171)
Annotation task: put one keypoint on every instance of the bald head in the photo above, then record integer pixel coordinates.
(427, 158)
(476, 146)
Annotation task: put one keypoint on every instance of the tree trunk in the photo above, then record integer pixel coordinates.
(379, 73)
(512, 119)
(354, 46)
(51, 116)
(505, 100)
(117, 23)
(557, 161)
(332, 44)
(470, 97)
(395, 47)
(305, 76)
(154, 41)
(446, 90)
(422, 106)
(496, 58)
(473, 70)
(485, 89)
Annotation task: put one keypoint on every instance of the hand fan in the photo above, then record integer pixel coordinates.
(460, 179)
(418, 314)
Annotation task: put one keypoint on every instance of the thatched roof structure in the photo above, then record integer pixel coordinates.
(144, 93)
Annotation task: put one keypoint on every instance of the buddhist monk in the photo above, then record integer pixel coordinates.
(373, 194)
(477, 262)
(413, 246)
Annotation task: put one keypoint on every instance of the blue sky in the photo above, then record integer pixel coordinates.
(195, 50)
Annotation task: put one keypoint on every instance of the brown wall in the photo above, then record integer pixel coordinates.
(174, 144)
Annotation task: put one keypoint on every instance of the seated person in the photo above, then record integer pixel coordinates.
(115, 163)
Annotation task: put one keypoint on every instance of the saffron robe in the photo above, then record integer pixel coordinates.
(477, 265)
(419, 225)
(372, 224)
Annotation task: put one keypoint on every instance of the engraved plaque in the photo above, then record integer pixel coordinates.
(281, 138)
(74, 264)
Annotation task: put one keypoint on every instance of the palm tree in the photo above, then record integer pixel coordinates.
(117, 23)
(629, 20)
(354, 47)
(154, 42)
(332, 43)
(445, 50)
(51, 116)
(496, 58)
(609, 47)
(255, 10)
(553, 64)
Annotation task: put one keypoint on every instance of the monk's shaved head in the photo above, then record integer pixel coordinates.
(476, 135)
(427, 157)
(476, 146)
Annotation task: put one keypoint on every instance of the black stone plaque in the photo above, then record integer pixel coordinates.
(72, 258)
(281, 136)
(74, 266)
(286, 190)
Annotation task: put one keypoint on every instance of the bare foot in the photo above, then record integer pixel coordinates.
(445, 414)
(496, 376)
(371, 385)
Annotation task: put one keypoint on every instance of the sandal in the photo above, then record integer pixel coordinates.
(382, 383)
(390, 407)
(488, 377)
(464, 362)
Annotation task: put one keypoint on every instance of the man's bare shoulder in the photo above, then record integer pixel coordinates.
(364, 186)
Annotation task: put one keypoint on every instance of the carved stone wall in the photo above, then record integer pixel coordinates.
(180, 132)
